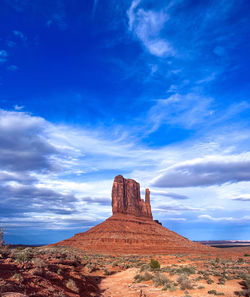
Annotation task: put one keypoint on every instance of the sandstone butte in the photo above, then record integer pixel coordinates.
(131, 229)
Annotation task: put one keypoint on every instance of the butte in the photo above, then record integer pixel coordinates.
(131, 229)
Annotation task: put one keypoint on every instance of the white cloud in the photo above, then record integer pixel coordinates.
(224, 219)
(18, 107)
(210, 170)
(147, 26)
(242, 197)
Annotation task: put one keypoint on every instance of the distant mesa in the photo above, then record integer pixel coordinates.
(131, 229)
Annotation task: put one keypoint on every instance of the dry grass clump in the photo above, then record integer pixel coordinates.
(72, 286)
(145, 276)
(38, 262)
(184, 282)
(18, 277)
(160, 279)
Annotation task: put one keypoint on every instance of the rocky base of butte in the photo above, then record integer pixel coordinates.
(131, 229)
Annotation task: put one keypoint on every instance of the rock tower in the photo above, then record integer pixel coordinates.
(126, 198)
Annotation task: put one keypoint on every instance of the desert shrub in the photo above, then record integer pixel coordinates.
(115, 263)
(143, 277)
(160, 279)
(154, 264)
(18, 277)
(138, 278)
(38, 262)
(147, 276)
(212, 292)
(60, 294)
(106, 271)
(210, 281)
(72, 286)
(4, 252)
(186, 270)
(90, 267)
(246, 255)
(20, 248)
(221, 281)
(246, 286)
(38, 271)
(240, 261)
(201, 287)
(22, 257)
(172, 288)
(184, 282)
(145, 267)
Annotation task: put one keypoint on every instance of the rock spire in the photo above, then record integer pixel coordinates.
(126, 198)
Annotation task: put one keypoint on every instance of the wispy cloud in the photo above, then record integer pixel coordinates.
(13, 68)
(170, 195)
(147, 26)
(19, 34)
(3, 56)
(224, 219)
(94, 7)
(245, 198)
(185, 110)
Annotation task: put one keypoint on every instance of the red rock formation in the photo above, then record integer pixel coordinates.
(131, 229)
(126, 198)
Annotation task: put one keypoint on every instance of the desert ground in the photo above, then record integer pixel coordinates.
(65, 271)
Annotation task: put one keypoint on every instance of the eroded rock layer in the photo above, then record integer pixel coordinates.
(128, 234)
(131, 229)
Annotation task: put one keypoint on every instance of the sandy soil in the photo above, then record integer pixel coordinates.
(67, 272)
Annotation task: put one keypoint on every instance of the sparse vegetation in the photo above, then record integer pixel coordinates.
(160, 279)
(72, 286)
(184, 282)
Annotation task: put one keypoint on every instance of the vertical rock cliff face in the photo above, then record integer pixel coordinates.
(126, 198)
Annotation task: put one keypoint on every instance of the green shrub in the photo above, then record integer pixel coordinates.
(221, 281)
(154, 264)
(210, 281)
(212, 292)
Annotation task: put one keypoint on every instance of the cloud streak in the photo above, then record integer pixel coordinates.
(208, 171)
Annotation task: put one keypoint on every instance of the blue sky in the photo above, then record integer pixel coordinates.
(155, 90)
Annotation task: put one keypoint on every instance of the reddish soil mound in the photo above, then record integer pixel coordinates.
(127, 234)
